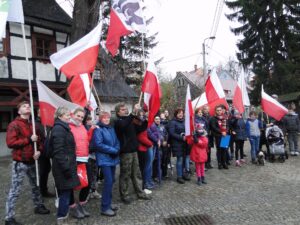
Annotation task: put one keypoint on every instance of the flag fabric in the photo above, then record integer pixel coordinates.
(80, 91)
(203, 101)
(10, 10)
(189, 115)
(80, 57)
(213, 88)
(240, 97)
(125, 17)
(49, 102)
(272, 107)
(152, 93)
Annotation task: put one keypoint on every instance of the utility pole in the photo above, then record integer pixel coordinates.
(203, 52)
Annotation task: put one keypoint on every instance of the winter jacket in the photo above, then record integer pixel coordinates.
(291, 123)
(238, 125)
(201, 121)
(199, 150)
(107, 145)
(155, 134)
(214, 124)
(82, 141)
(64, 167)
(144, 141)
(127, 128)
(18, 137)
(176, 134)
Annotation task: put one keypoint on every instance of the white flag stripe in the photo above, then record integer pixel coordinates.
(242, 84)
(86, 84)
(187, 112)
(267, 97)
(67, 54)
(15, 11)
(201, 102)
(46, 95)
(217, 84)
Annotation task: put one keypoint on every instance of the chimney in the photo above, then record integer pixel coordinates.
(195, 67)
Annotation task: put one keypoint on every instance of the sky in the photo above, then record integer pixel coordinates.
(182, 27)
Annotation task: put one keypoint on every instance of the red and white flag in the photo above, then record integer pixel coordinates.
(203, 101)
(189, 114)
(49, 102)
(152, 92)
(213, 88)
(240, 97)
(80, 57)
(272, 107)
(80, 91)
(125, 17)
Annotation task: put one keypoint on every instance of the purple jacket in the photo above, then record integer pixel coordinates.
(154, 133)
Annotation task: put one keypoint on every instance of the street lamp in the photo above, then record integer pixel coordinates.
(203, 48)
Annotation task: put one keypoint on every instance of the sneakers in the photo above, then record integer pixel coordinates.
(147, 191)
(114, 207)
(12, 222)
(94, 195)
(41, 210)
(62, 221)
(242, 161)
(82, 209)
(237, 163)
(143, 196)
(293, 153)
(180, 180)
(76, 212)
(296, 153)
(108, 212)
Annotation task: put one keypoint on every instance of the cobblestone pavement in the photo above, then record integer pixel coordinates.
(252, 194)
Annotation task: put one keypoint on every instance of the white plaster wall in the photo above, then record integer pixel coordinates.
(17, 47)
(45, 71)
(4, 150)
(61, 37)
(3, 67)
(19, 69)
(59, 47)
(42, 30)
(16, 29)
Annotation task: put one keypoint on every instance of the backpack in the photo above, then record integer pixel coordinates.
(48, 148)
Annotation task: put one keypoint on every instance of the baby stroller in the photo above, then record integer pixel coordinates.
(275, 139)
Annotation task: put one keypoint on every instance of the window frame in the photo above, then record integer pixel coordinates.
(8, 113)
(34, 37)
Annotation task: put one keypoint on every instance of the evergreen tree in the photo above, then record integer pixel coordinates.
(270, 44)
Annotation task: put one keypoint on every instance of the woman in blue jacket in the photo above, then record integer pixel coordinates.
(107, 148)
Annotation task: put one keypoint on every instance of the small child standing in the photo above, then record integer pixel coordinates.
(199, 153)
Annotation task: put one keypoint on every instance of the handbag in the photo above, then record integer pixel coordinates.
(82, 175)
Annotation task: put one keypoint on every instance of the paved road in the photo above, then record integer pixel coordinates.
(251, 194)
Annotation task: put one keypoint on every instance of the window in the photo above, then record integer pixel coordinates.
(43, 45)
(5, 119)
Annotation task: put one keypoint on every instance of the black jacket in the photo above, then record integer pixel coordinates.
(215, 128)
(176, 134)
(64, 166)
(127, 127)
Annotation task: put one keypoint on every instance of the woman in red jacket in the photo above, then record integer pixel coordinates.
(199, 153)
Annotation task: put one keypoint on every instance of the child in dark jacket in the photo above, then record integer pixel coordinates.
(199, 153)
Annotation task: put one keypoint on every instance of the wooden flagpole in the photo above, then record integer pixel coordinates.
(143, 48)
(31, 103)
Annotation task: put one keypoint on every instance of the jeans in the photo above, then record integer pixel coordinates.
(109, 179)
(179, 165)
(64, 201)
(293, 142)
(254, 142)
(148, 167)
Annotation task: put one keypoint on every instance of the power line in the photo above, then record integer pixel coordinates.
(181, 58)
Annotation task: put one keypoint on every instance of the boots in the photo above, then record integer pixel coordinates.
(82, 209)
(76, 212)
(203, 180)
(187, 176)
(199, 182)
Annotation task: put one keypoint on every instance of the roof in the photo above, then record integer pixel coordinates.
(289, 97)
(46, 13)
(196, 77)
(112, 84)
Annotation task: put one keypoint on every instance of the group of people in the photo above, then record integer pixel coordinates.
(140, 148)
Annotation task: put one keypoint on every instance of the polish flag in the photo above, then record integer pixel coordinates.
(213, 88)
(49, 102)
(203, 101)
(125, 17)
(80, 57)
(80, 91)
(272, 107)
(152, 92)
(241, 98)
(189, 114)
